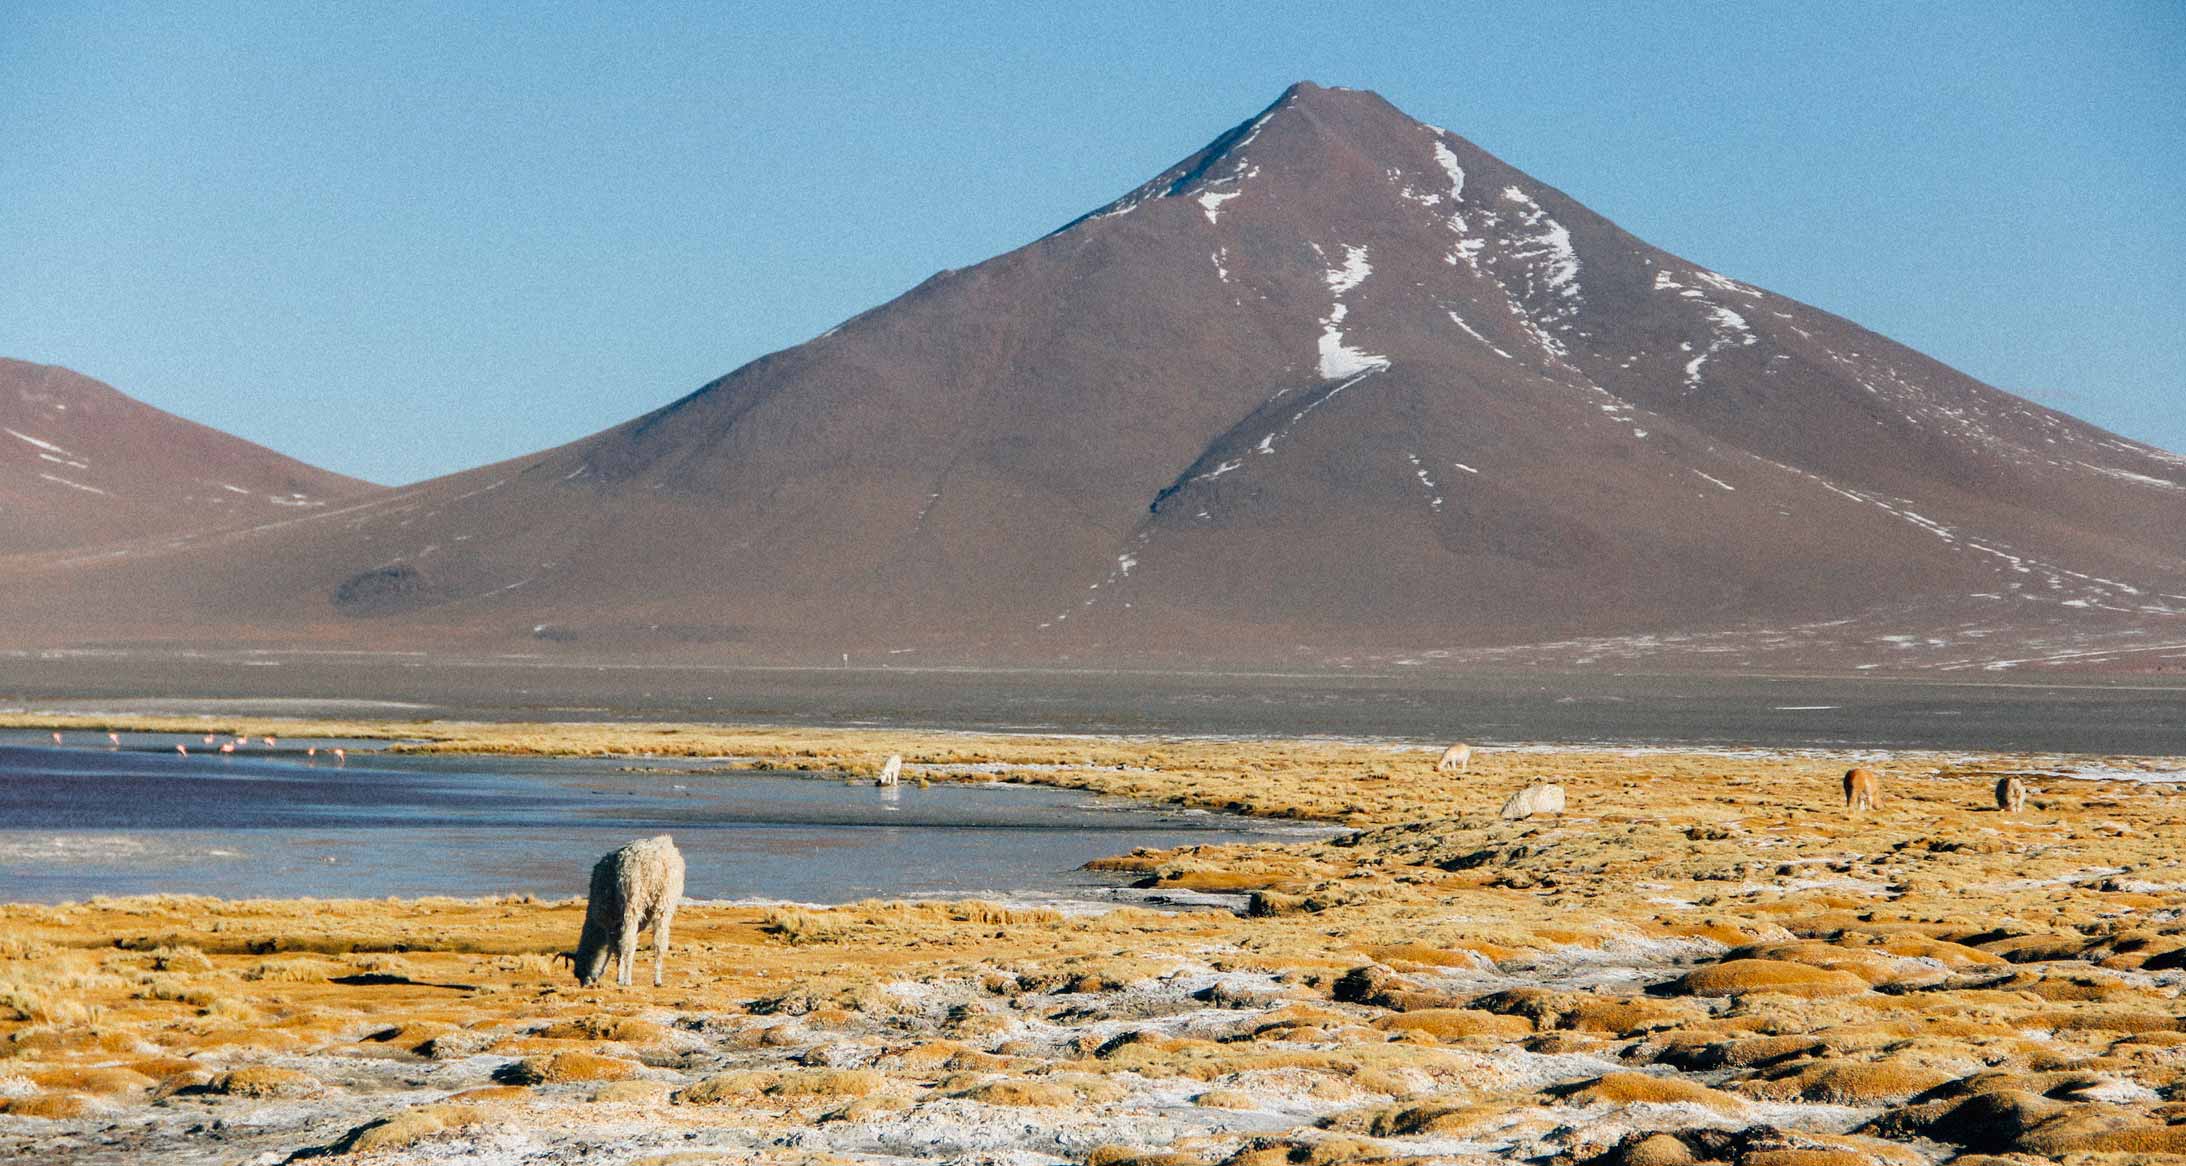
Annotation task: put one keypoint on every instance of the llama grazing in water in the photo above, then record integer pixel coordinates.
(2011, 794)
(633, 888)
(1862, 790)
(892, 771)
(1545, 798)
(1458, 757)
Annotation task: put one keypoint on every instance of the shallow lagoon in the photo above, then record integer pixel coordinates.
(91, 820)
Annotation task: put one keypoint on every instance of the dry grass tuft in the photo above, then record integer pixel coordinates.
(565, 1067)
(295, 970)
(726, 1088)
(1114, 1155)
(827, 1083)
(621, 1029)
(1835, 1082)
(1778, 977)
(1455, 1023)
(266, 1081)
(1634, 1088)
(1019, 1093)
(180, 958)
(798, 926)
(408, 1128)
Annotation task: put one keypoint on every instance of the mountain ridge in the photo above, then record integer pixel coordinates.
(83, 464)
(1339, 385)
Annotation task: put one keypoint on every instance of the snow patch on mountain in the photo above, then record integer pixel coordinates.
(2130, 476)
(1551, 244)
(1354, 271)
(1725, 283)
(1475, 334)
(1338, 359)
(1419, 470)
(1726, 328)
(40, 443)
(1448, 161)
(71, 485)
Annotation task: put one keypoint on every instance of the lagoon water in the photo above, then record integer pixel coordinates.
(83, 821)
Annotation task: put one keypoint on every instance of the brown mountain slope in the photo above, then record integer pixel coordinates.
(82, 464)
(1342, 386)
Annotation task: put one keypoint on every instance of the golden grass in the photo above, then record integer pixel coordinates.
(1740, 977)
(109, 998)
(1018, 1093)
(826, 1083)
(567, 1066)
(266, 1081)
(1455, 1023)
(408, 1128)
(51, 1106)
(1635, 1088)
(1850, 1083)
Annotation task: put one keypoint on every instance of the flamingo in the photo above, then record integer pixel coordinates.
(56, 738)
(113, 738)
(268, 741)
(341, 755)
(242, 740)
(208, 738)
(182, 749)
(227, 746)
(312, 751)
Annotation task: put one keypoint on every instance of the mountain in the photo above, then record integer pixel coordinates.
(1340, 388)
(83, 464)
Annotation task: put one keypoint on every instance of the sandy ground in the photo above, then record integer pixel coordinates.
(1705, 959)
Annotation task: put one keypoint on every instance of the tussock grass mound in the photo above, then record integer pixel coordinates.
(1455, 1023)
(266, 1081)
(1636, 1088)
(1779, 977)
(565, 1067)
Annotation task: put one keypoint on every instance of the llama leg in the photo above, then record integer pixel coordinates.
(626, 950)
(660, 944)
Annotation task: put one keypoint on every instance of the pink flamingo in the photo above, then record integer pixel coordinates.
(112, 737)
(56, 738)
(268, 741)
(341, 755)
(182, 749)
(227, 746)
(312, 751)
(208, 738)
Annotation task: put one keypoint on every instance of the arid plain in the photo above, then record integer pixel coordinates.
(1705, 959)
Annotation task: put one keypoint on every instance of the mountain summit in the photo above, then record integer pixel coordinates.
(1339, 387)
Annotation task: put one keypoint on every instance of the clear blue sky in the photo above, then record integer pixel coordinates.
(399, 240)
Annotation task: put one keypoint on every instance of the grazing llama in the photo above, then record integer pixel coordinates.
(2011, 794)
(633, 888)
(1545, 798)
(1458, 757)
(1862, 790)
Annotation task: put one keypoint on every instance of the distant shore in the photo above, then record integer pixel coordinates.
(2002, 711)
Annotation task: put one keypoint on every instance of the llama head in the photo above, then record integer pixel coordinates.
(589, 961)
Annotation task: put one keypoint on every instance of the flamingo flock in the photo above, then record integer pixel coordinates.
(113, 741)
